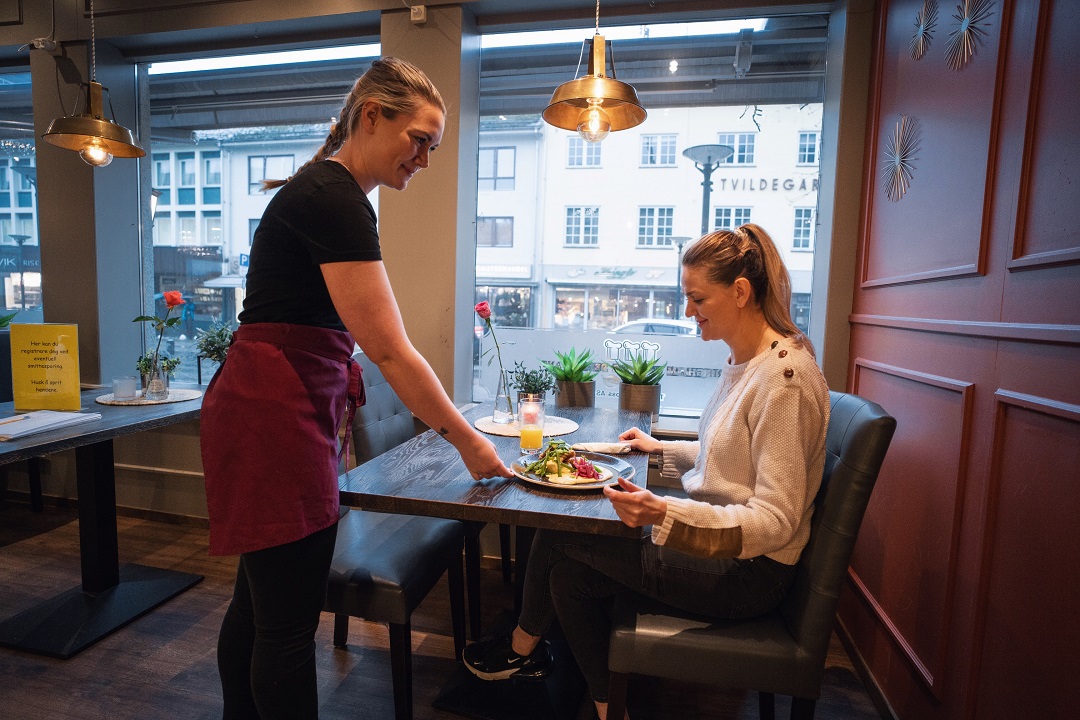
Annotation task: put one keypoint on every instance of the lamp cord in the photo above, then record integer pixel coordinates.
(597, 15)
(93, 44)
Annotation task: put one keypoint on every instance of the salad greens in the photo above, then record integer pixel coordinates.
(557, 456)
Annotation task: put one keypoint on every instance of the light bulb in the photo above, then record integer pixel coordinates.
(593, 123)
(95, 155)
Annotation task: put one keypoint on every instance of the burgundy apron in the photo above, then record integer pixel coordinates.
(269, 434)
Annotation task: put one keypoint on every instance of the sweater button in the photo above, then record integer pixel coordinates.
(783, 353)
(789, 373)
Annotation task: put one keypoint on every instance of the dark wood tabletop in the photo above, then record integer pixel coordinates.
(425, 476)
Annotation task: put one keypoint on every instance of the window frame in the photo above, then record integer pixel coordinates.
(649, 234)
(587, 225)
(743, 143)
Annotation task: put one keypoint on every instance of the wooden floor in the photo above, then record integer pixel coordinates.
(163, 664)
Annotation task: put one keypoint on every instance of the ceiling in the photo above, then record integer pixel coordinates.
(787, 66)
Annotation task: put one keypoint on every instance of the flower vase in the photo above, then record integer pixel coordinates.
(503, 414)
(156, 383)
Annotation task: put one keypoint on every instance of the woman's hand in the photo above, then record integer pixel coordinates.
(482, 460)
(641, 440)
(636, 506)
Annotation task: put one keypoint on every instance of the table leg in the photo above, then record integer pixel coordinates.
(523, 544)
(109, 596)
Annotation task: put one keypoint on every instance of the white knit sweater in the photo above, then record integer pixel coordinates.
(753, 473)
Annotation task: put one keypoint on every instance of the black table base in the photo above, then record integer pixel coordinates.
(557, 697)
(66, 624)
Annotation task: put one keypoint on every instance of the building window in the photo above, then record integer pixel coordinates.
(808, 148)
(728, 218)
(800, 310)
(163, 228)
(803, 235)
(268, 167)
(253, 225)
(581, 153)
(655, 226)
(185, 227)
(582, 226)
(211, 227)
(742, 144)
(5, 182)
(211, 165)
(496, 168)
(495, 232)
(658, 150)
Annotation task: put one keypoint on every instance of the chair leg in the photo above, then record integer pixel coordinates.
(616, 697)
(802, 708)
(341, 630)
(33, 471)
(766, 706)
(472, 575)
(401, 669)
(456, 580)
(504, 552)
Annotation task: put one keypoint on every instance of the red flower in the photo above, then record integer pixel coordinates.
(482, 309)
(173, 298)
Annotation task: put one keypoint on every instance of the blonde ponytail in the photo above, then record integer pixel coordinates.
(749, 252)
(396, 85)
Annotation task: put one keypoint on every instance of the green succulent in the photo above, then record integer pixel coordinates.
(572, 366)
(536, 382)
(639, 371)
(214, 343)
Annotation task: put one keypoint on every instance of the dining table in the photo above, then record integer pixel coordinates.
(426, 476)
(110, 595)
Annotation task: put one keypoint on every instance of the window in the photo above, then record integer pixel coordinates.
(162, 170)
(742, 144)
(655, 226)
(581, 153)
(211, 234)
(496, 168)
(808, 148)
(657, 150)
(5, 183)
(803, 235)
(185, 227)
(268, 167)
(582, 226)
(211, 168)
(253, 225)
(495, 232)
(800, 310)
(727, 218)
(163, 228)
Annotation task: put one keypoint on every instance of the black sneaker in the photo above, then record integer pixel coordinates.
(495, 659)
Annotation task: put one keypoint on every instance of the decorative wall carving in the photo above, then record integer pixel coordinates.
(972, 16)
(900, 149)
(925, 23)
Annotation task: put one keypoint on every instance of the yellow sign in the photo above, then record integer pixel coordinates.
(45, 366)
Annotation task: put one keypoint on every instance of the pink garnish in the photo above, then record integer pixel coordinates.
(583, 468)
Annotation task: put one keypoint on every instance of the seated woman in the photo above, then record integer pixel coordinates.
(729, 549)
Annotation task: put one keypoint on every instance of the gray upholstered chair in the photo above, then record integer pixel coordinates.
(385, 565)
(784, 651)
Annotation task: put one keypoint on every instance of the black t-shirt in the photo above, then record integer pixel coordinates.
(320, 216)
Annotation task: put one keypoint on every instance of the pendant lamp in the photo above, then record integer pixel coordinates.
(95, 137)
(595, 105)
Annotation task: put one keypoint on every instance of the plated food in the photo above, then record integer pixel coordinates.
(559, 465)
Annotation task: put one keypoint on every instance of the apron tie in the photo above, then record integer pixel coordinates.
(355, 398)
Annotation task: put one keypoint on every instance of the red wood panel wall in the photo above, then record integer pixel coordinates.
(964, 593)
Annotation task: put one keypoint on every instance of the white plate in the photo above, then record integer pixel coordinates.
(618, 468)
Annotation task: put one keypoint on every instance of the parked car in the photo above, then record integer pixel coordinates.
(658, 326)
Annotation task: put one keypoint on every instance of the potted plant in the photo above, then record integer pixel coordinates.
(574, 374)
(640, 388)
(213, 344)
(532, 383)
(145, 365)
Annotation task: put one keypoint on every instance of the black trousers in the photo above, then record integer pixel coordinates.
(266, 648)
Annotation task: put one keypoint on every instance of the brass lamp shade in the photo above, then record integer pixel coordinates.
(93, 130)
(617, 99)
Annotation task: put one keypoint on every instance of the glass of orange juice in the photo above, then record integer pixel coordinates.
(531, 425)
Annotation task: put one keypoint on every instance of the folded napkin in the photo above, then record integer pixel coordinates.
(616, 448)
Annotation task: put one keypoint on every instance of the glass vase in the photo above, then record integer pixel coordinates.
(503, 414)
(156, 383)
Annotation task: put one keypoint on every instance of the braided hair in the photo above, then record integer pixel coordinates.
(398, 86)
(749, 252)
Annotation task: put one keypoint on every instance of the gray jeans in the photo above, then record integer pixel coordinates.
(573, 576)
